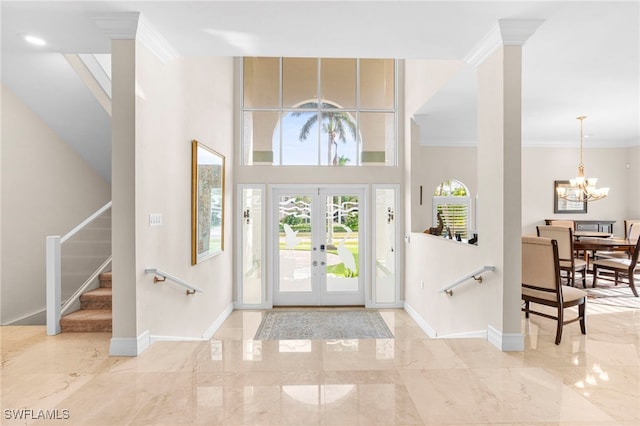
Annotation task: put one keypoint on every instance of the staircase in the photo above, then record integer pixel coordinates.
(95, 312)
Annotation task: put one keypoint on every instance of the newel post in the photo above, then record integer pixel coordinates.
(53, 283)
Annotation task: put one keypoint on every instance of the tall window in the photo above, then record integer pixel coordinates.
(319, 111)
(452, 201)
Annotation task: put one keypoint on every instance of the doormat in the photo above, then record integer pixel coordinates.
(322, 325)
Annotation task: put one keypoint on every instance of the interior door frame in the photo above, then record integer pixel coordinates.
(364, 230)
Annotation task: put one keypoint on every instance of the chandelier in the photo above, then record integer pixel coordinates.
(581, 189)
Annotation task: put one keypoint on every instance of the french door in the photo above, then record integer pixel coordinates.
(318, 247)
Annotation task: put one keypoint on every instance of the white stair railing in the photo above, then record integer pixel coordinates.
(191, 289)
(54, 273)
(476, 275)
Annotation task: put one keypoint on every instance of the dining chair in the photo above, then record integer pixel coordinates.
(541, 284)
(620, 267)
(627, 227)
(568, 223)
(568, 262)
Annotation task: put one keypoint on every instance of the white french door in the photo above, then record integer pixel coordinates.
(318, 246)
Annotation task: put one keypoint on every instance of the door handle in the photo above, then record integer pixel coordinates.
(323, 263)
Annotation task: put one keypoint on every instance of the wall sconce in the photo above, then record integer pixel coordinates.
(246, 215)
(390, 215)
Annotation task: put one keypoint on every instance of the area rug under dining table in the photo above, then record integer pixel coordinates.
(322, 324)
(606, 293)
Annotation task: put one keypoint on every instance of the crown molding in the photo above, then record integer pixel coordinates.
(118, 26)
(507, 32)
(132, 26)
(515, 32)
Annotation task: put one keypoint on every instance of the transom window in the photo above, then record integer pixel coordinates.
(319, 111)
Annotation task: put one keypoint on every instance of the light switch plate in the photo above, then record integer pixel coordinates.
(155, 219)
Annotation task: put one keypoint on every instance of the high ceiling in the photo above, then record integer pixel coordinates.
(582, 60)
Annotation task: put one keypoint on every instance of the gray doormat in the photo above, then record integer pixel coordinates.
(322, 325)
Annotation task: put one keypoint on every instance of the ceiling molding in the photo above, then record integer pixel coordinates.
(508, 32)
(515, 32)
(118, 26)
(155, 42)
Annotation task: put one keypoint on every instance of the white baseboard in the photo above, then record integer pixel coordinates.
(205, 336)
(420, 321)
(506, 342)
(218, 322)
(129, 346)
(479, 334)
(155, 338)
(38, 317)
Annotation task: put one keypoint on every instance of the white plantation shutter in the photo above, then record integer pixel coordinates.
(455, 212)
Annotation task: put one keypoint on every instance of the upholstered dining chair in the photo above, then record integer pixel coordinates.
(625, 267)
(568, 223)
(627, 227)
(541, 284)
(568, 262)
(628, 234)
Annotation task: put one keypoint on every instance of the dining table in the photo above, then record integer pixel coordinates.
(595, 244)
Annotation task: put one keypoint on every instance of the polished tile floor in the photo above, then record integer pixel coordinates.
(233, 380)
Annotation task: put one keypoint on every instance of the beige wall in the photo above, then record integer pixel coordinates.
(632, 177)
(183, 100)
(541, 166)
(436, 164)
(47, 189)
(537, 181)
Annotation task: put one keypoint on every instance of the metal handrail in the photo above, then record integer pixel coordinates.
(476, 275)
(191, 289)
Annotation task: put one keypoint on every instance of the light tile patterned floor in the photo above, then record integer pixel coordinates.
(232, 380)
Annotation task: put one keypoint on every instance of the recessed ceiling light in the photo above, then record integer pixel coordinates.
(34, 40)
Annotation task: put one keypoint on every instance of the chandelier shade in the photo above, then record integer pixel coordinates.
(582, 189)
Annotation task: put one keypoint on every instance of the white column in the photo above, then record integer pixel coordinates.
(499, 71)
(122, 29)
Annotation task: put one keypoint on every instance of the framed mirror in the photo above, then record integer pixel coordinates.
(207, 202)
(563, 206)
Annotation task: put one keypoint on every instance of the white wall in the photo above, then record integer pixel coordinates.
(607, 164)
(434, 261)
(179, 101)
(47, 189)
(542, 166)
(434, 165)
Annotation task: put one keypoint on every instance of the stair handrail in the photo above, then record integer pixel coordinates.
(75, 296)
(191, 289)
(476, 275)
(85, 222)
(53, 267)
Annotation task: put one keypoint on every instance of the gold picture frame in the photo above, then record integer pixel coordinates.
(207, 202)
